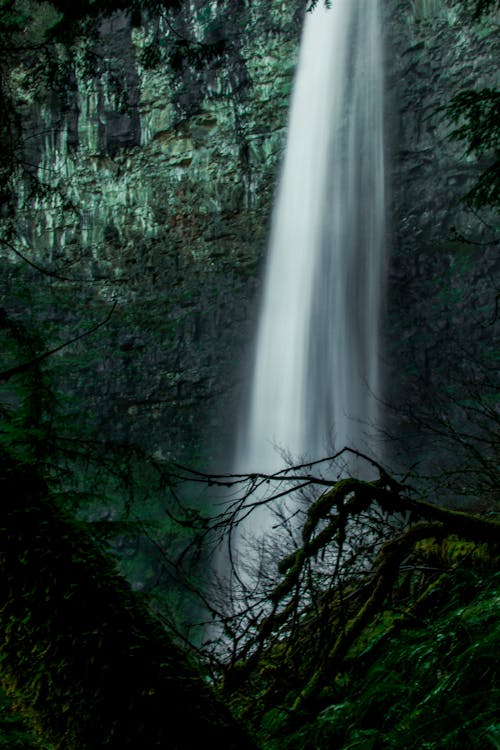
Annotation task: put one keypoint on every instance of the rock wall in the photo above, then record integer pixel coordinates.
(445, 269)
(160, 182)
(161, 173)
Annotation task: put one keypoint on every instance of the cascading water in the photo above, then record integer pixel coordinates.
(316, 370)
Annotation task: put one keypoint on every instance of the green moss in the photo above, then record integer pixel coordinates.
(87, 664)
(434, 684)
(14, 735)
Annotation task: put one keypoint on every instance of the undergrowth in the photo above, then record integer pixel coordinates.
(14, 735)
(429, 681)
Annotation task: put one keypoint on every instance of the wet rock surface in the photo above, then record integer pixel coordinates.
(160, 182)
(445, 266)
(161, 186)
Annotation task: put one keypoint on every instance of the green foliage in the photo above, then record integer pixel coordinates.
(434, 684)
(77, 16)
(185, 52)
(12, 19)
(375, 624)
(313, 3)
(14, 735)
(482, 7)
(51, 630)
(87, 664)
(25, 24)
(479, 114)
(477, 117)
(116, 491)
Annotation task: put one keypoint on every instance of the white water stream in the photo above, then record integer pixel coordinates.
(316, 363)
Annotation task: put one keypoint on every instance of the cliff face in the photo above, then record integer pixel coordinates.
(444, 270)
(161, 183)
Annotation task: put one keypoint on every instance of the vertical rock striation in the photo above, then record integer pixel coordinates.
(161, 175)
(445, 268)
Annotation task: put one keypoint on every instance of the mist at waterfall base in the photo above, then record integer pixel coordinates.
(316, 368)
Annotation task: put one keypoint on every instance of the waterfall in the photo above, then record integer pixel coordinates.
(316, 365)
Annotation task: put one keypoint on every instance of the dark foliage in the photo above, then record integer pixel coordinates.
(86, 663)
(430, 680)
(476, 115)
(483, 7)
(377, 622)
(89, 10)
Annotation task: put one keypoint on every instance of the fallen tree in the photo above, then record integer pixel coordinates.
(364, 551)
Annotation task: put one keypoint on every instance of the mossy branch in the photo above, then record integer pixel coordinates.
(389, 560)
(326, 527)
